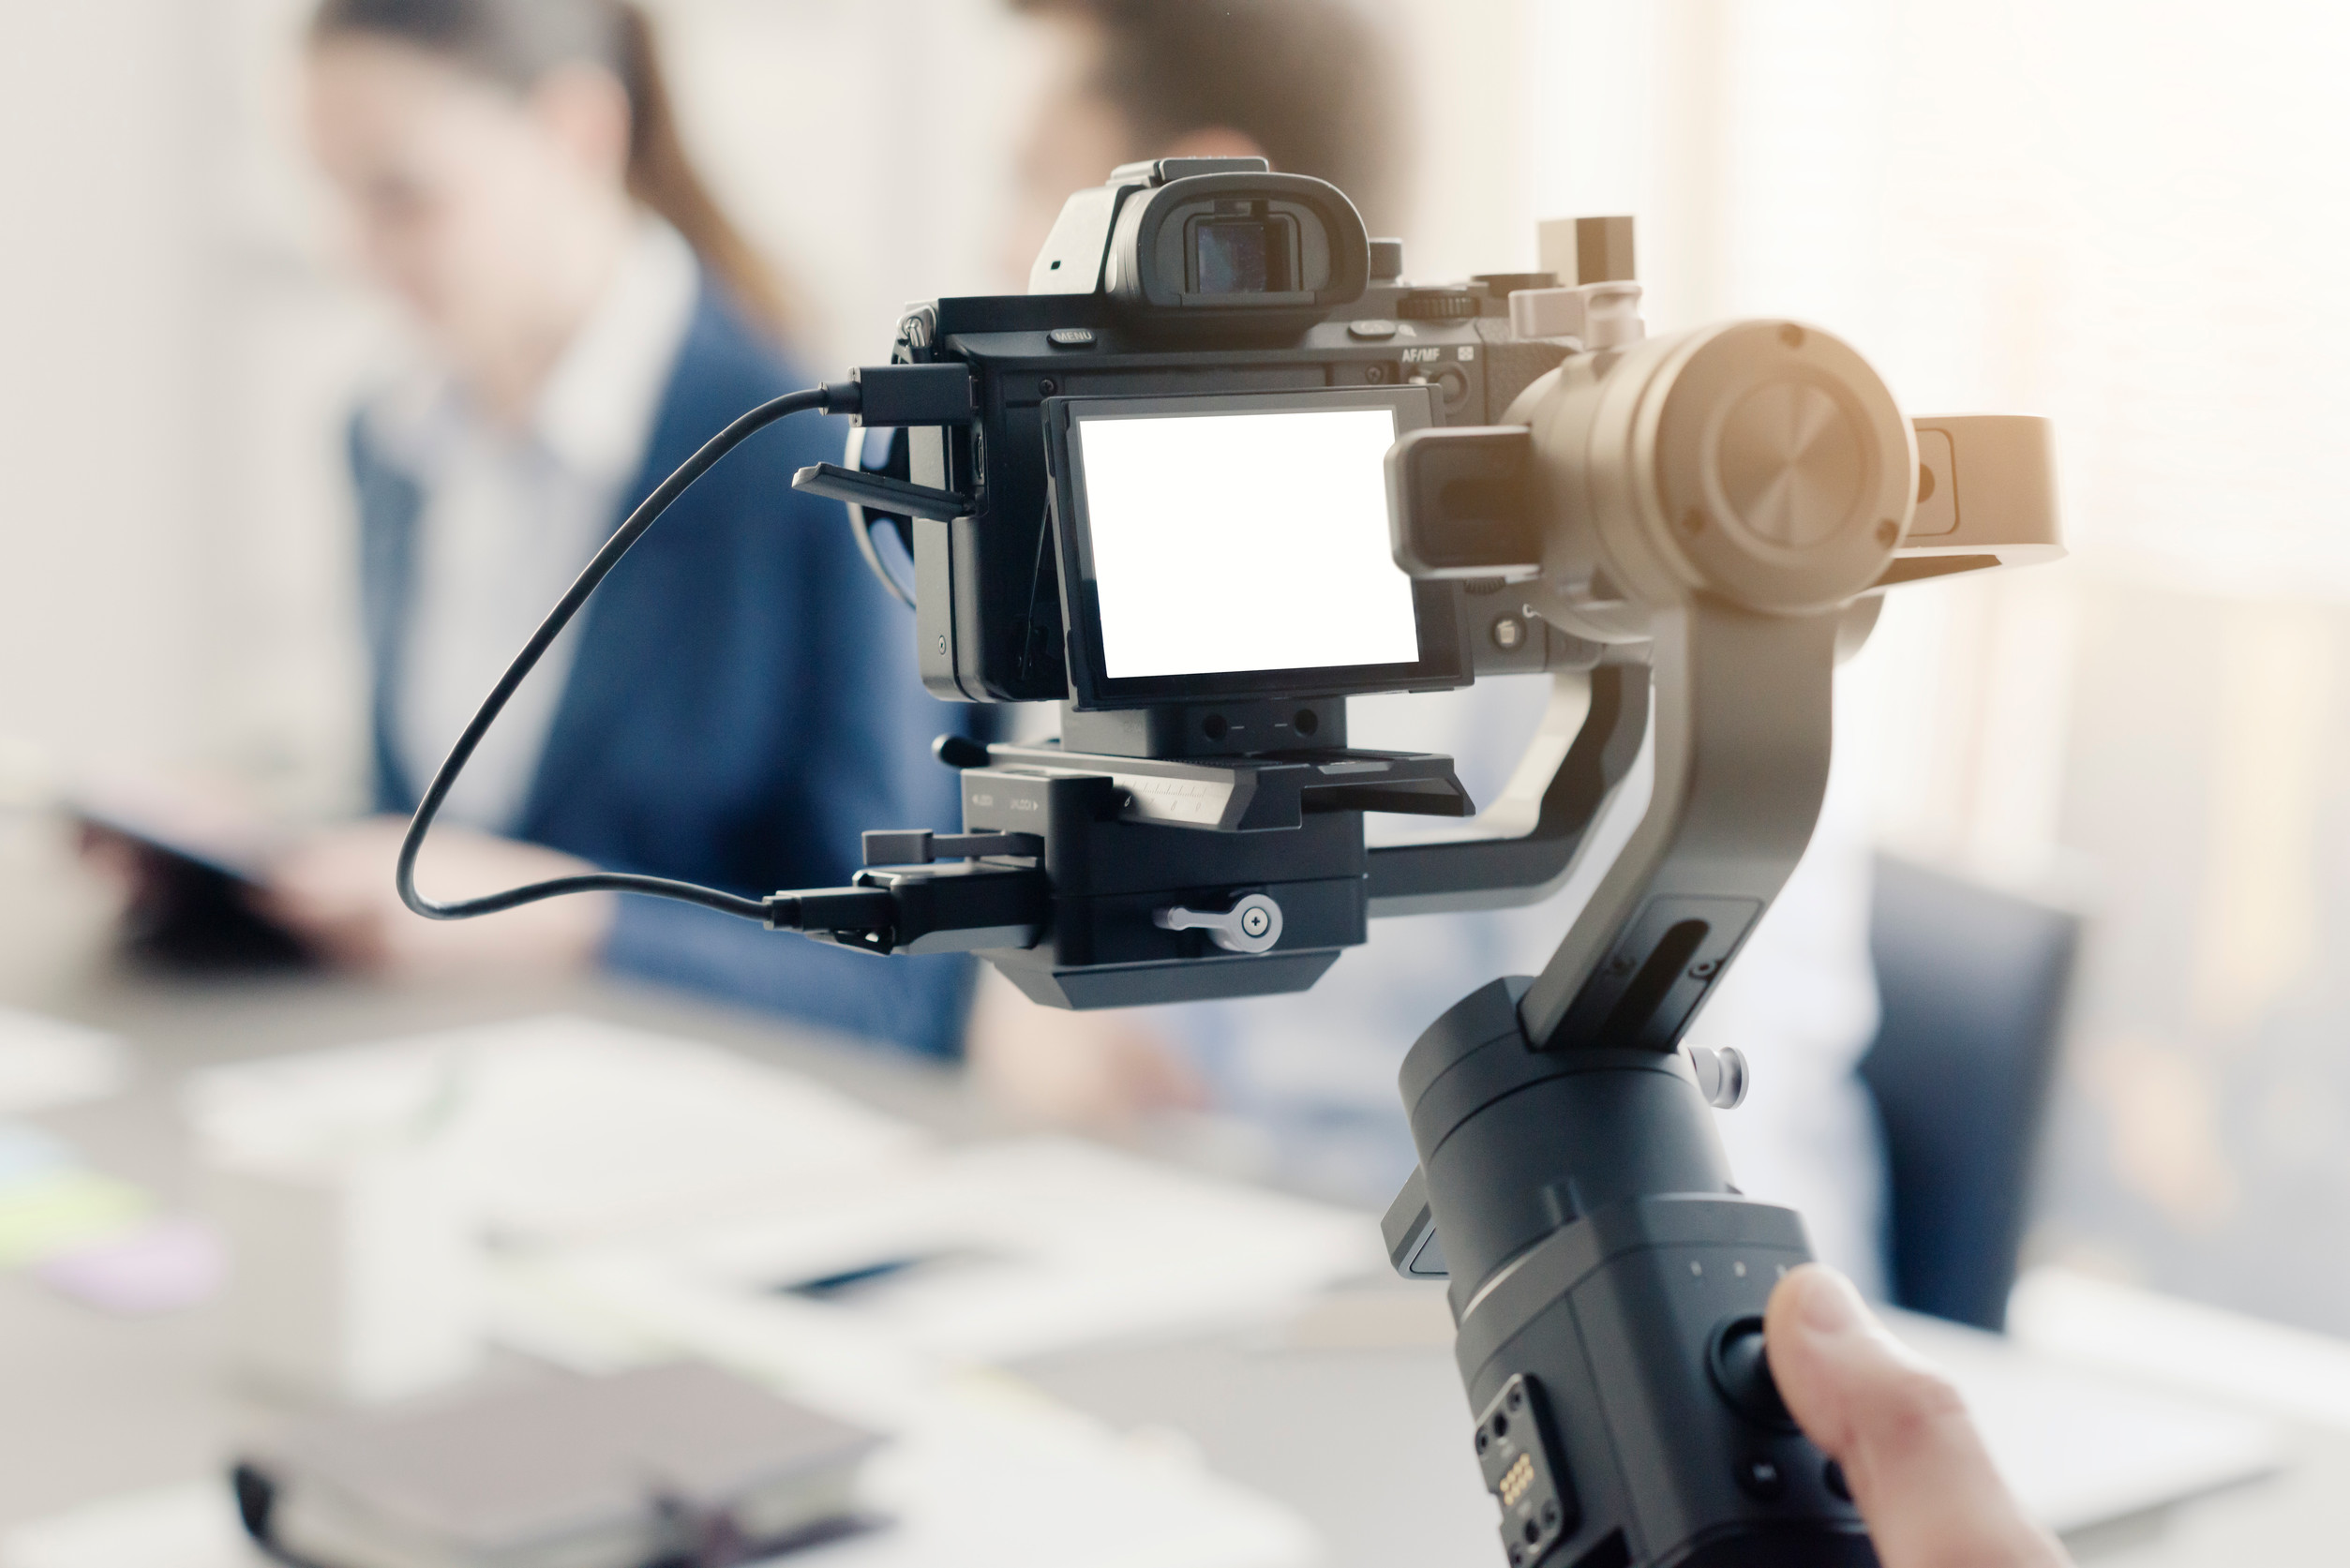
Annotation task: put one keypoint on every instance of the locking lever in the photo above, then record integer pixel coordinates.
(1252, 925)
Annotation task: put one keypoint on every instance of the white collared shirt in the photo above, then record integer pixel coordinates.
(510, 517)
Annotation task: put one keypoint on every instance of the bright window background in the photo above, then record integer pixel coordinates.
(2129, 216)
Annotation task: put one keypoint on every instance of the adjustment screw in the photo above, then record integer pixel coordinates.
(1722, 1077)
(1047, 387)
(1376, 374)
(1508, 633)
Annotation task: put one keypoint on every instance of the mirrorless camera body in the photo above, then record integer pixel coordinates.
(1144, 290)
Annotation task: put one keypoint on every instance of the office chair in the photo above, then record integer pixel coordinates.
(1972, 983)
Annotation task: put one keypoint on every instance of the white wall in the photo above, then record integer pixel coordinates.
(105, 419)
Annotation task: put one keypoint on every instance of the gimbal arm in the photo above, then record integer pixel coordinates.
(1742, 703)
(1534, 835)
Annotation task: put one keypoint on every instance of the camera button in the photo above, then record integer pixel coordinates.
(1071, 337)
(1377, 329)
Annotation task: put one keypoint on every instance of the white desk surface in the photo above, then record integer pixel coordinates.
(1365, 1443)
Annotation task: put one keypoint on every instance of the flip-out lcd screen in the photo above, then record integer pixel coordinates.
(1231, 544)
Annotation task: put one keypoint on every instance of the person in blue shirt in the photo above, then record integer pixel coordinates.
(740, 700)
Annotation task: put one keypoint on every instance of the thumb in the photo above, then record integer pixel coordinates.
(1917, 1467)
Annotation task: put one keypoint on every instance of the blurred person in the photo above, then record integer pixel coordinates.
(1305, 84)
(739, 698)
(1313, 1074)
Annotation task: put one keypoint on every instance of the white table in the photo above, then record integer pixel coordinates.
(1365, 1442)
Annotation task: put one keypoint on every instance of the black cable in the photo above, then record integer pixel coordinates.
(833, 398)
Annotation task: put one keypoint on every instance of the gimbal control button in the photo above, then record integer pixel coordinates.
(1742, 1372)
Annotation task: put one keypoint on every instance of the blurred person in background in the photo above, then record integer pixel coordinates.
(1305, 83)
(738, 699)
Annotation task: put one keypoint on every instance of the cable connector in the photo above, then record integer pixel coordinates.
(960, 907)
(832, 911)
(889, 394)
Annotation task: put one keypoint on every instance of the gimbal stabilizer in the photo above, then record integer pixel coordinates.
(1684, 532)
(1699, 522)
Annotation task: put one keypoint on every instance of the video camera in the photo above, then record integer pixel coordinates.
(1224, 468)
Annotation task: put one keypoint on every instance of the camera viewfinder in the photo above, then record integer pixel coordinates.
(1241, 250)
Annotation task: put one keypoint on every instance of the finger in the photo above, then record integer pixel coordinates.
(1917, 1467)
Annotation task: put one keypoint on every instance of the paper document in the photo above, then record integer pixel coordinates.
(2079, 1447)
(2184, 1344)
(46, 1062)
(192, 1525)
(992, 1475)
(560, 1128)
(983, 1253)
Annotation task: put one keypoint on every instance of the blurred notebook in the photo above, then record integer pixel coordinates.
(680, 1463)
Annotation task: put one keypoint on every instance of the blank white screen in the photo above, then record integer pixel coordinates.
(1243, 542)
